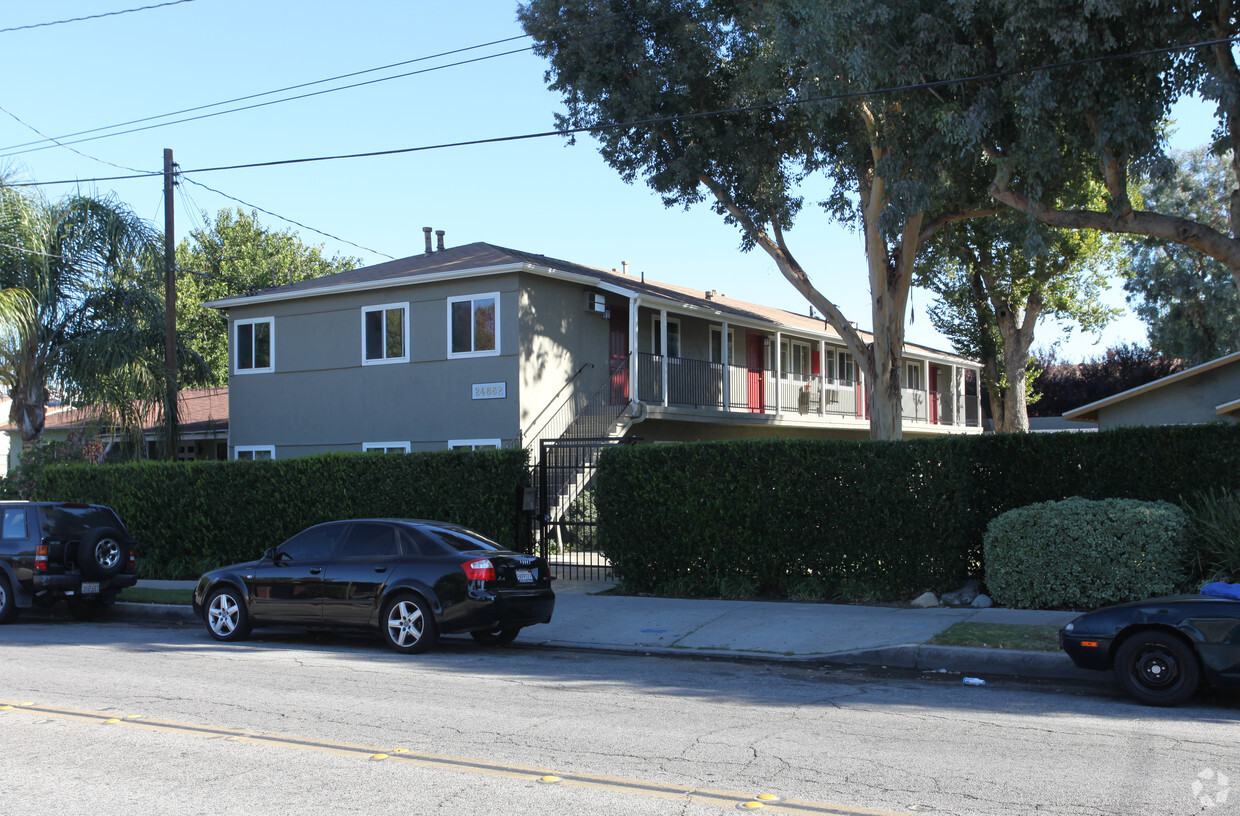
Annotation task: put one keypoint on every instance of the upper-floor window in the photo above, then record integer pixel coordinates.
(673, 337)
(473, 325)
(254, 342)
(795, 360)
(912, 376)
(254, 452)
(716, 345)
(847, 368)
(385, 334)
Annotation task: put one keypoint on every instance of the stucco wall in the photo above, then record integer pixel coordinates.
(321, 397)
(1188, 401)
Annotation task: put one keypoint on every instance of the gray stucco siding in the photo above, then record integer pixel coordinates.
(1189, 401)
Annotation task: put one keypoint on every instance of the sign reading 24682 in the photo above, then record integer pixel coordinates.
(497, 390)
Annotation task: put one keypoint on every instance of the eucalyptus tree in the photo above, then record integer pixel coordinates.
(711, 101)
(995, 282)
(89, 327)
(1188, 301)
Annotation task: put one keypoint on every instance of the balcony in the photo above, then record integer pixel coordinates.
(703, 385)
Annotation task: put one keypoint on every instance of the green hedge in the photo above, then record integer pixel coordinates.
(193, 516)
(1080, 553)
(842, 520)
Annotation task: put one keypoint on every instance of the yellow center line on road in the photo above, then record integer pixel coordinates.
(764, 801)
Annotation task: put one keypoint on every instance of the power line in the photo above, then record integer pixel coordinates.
(276, 91)
(94, 16)
(607, 126)
(289, 220)
(25, 124)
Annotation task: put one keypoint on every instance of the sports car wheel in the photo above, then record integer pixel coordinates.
(408, 625)
(496, 637)
(225, 615)
(1157, 669)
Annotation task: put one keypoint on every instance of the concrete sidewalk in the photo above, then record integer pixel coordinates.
(822, 633)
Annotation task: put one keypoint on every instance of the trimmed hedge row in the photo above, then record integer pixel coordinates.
(842, 520)
(192, 516)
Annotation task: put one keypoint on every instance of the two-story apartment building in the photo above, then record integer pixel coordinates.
(482, 346)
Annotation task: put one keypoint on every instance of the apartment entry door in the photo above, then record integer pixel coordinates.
(755, 362)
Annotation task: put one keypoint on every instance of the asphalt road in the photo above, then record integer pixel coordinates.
(118, 718)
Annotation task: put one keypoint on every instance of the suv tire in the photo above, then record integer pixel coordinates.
(103, 553)
(8, 601)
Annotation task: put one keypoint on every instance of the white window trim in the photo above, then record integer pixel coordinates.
(404, 308)
(271, 334)
(472, 444)
(715, 336)
(456, 355)
(240, 449)
(386, 447)
(656, 336)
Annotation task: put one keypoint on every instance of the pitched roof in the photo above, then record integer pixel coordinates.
(482, 258)
(199, 410)
(1089, 413)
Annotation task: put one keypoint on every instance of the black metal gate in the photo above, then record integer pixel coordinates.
(567, 521)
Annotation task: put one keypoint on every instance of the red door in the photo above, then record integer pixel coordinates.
(934, 394)
(618, 362)
(756, 377)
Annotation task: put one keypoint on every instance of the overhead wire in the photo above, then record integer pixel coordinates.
(94, 16)
(600, 127)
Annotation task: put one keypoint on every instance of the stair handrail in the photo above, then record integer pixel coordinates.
(519, 440)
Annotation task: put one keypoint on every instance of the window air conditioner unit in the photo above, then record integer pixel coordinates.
(596, 303)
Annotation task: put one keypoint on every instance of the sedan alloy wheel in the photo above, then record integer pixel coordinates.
(409, 625)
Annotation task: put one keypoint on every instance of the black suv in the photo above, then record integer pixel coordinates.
(53, 550)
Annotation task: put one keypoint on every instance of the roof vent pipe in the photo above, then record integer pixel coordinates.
(625, 266)
(439, 238)
(427, 232)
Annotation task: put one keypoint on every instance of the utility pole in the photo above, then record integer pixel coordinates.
(170, 310)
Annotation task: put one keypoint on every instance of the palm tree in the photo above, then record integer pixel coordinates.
(84, 314)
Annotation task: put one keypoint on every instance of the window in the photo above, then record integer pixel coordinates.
(473, 326)
(254, 342)
(847, 368)
(14, 525)
(794, 358)
(385, 334)
(370, 540)
(385, 447)
(912, 376)
(255, 452)
(314, 544)
(673, 337)
(715, 343)
(473, 444)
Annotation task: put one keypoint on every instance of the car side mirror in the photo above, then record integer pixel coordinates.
(271, 554)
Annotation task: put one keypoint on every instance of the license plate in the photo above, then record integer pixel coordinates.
(525, 576)
(90, 587)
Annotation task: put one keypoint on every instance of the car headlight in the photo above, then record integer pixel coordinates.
(1069, 627)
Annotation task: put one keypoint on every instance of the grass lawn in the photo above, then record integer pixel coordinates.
(1021, 637)
(159, 596)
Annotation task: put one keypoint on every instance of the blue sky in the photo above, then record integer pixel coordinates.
(538, 195)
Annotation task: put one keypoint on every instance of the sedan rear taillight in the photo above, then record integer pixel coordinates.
(480, 570)
(40, 556)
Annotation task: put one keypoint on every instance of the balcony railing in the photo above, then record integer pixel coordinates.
(701, 384)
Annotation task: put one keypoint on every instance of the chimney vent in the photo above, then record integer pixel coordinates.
(439, 239)
(711, 294)
(625, 266)
(427, 232)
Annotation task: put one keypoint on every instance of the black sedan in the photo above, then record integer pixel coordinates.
(410, 579)
(1161, 649)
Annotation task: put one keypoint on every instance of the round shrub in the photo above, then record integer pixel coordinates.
(1079, 553)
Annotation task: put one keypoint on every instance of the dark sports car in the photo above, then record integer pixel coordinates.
(410, 579)
(1162, 649)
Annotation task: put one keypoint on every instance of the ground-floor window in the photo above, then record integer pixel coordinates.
(473, 444)
(385, 447)
(254, 452)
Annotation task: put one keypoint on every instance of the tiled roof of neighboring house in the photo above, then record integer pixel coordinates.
(199, 410)
(484, 259)
(1089, 413)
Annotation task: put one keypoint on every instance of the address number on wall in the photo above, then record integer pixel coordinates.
(497, 390)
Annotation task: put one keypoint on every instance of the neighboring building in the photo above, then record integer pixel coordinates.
(202, 428)
(480, 346)
(1209, 392)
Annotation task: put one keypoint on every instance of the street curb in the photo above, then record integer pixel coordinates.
(912, 656)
